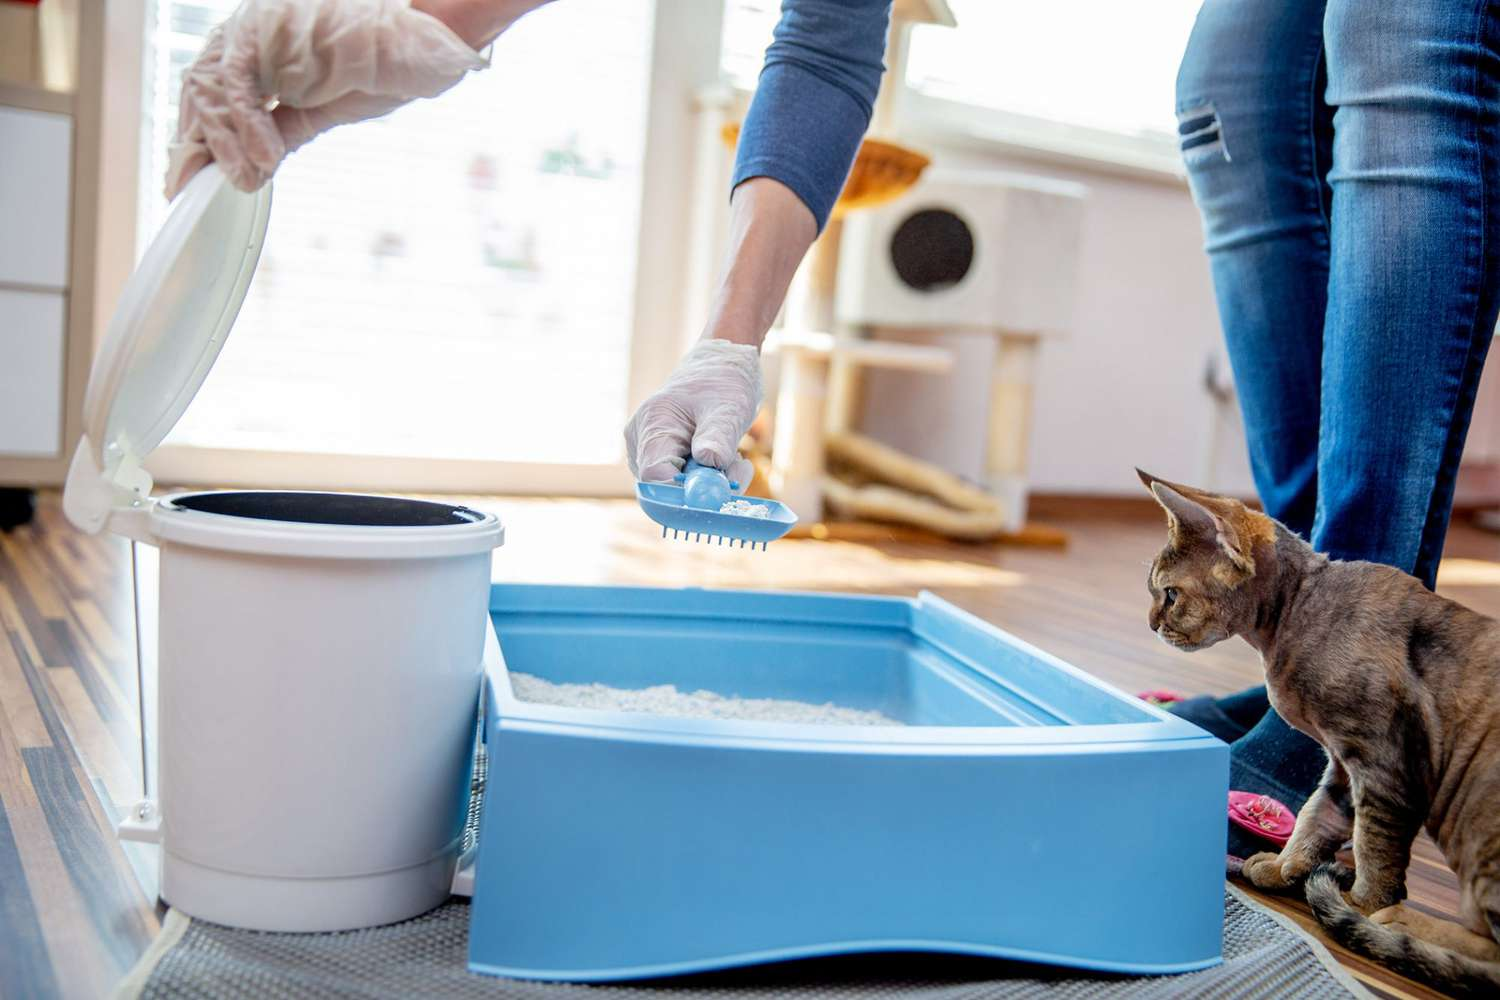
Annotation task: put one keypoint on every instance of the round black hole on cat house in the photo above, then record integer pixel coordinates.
(932, 250)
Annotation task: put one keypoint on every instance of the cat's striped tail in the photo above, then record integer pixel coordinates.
(1448, 970)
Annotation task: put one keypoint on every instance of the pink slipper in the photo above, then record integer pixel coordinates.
(1262, 816)
(1161, 696)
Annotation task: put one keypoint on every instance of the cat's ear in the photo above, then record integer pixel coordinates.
(1218, 523)
(1181, 512)
(1184, 516)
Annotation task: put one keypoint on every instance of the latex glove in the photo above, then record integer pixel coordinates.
(703, 410)
(327, 62)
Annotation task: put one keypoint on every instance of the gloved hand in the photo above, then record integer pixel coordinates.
(703, 410)
(326, 62)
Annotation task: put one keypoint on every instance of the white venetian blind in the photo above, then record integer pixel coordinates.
(454, 280)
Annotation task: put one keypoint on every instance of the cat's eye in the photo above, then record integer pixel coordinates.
(1168, 597)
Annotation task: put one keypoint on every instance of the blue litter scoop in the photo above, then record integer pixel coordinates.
(693, 507)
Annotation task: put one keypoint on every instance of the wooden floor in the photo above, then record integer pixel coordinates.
(72, 915)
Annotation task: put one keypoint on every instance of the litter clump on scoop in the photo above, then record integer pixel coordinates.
(745, 508)
(665, 699)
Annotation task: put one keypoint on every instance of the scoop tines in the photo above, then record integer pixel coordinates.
(701, 505)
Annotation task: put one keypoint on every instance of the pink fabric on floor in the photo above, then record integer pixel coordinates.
(1262, 816)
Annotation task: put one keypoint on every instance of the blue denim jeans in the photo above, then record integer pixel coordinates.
(1345, 158)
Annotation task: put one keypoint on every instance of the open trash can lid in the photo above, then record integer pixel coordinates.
(172, 320)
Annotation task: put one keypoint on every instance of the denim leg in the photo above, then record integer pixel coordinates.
(1415, 250)
(1255, 137)
(1229, 717)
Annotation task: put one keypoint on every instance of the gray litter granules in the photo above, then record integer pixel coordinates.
(665, 699)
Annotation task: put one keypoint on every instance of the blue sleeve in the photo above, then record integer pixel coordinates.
(813, 103)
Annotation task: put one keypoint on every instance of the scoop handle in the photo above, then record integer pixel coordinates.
(704, 487)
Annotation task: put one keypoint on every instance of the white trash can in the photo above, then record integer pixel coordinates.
(320, 654)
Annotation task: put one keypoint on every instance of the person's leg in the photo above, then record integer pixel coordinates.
(1414, 248)
(1415, 253)
(1229, 717)
(1256, 138)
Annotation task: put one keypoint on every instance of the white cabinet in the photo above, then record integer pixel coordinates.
(50, 183)
(32, 328)
(36, 154)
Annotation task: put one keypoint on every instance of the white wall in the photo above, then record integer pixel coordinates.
(1125, 386)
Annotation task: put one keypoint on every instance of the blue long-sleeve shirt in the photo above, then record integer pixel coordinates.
(815, 96)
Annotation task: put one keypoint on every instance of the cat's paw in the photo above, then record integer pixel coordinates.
(1266, 871)
(1372, 899)
(1392, 916)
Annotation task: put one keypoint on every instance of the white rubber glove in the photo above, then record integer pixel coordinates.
(703, 410)
(327, 62)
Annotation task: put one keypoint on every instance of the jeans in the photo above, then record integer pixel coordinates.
(1343, 155)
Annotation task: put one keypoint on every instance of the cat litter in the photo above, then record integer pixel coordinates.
(665, 699)
(745, 508)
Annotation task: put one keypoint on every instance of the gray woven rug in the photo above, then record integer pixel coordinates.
(425, 957)
(1265, 955)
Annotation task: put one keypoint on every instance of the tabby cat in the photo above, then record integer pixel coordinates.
(1402, 689)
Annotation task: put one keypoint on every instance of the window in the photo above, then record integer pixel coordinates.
(1092, 75)
(455, 280)
(1098, 64)
(747, 32)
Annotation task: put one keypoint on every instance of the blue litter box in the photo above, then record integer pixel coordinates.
(1024, 810)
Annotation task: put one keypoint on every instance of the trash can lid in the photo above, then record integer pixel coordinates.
(174, 315)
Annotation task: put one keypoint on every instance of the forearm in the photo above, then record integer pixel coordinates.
(770, 231)
(477, 22)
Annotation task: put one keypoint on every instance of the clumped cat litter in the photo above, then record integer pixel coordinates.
(665, 699)
(745, 508)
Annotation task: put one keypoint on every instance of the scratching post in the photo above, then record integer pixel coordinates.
(1011, 395)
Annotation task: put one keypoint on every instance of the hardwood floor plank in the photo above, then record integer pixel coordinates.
(109, 701)
(77, 959)
(59, 569)
(32, 623)
(39, 588)
(43, 694)
(111, 748)
(14, 623)
(112, 649)
(18, 705)
(25, 964)
(102, 920)
(113, 900)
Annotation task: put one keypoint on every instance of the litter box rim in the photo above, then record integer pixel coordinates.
(1161, 731)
